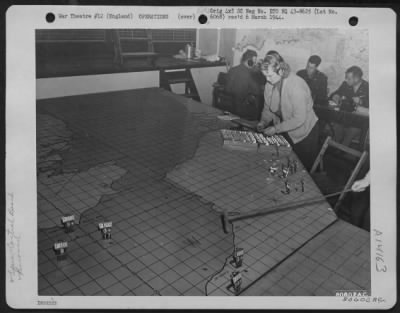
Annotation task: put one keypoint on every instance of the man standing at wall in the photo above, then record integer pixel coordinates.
(316, 80)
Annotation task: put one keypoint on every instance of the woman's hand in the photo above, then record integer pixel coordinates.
(270, 131)
(260, 127)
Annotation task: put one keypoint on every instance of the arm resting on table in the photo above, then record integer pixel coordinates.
(362, 111)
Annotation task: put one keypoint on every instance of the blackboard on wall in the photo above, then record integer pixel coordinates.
(163, 41)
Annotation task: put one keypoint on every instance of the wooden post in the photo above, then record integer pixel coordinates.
(320, 155)
(351, 179)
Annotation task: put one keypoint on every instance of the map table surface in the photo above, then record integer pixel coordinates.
(153, 163)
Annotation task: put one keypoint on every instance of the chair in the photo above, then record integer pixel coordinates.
(221, 79)
(120, 54)
(180, 76)
(321, 178)
(362, 141)
(221, 99)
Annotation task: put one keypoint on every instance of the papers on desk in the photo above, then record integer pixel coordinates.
(228, 117)
(211, 58)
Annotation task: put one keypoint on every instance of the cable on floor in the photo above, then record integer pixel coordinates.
(225, 262)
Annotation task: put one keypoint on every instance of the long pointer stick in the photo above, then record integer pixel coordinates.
(225, 219)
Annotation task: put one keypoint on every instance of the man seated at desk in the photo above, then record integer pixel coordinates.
(351, 96)
(244, 83)
(316, 80)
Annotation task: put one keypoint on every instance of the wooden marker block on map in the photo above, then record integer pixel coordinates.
(274, 143)
(239, 140)
(60, 249)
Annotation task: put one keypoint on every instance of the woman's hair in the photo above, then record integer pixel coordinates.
(279, 66)
(276, 55)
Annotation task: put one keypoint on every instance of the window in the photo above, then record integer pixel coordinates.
(66, 52)
(68, 35)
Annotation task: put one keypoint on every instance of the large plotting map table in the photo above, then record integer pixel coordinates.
(153, 163)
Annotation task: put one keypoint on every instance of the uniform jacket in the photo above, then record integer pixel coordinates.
(348, 92)
(318, 84)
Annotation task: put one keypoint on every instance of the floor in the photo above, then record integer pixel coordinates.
(153, 164)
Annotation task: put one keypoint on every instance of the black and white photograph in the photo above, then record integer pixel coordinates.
(205, 161)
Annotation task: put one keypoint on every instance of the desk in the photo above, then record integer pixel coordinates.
(353, 119)
(153, 163)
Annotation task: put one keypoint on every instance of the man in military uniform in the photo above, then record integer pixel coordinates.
(316, 80)
(353, 92)
(351, 96)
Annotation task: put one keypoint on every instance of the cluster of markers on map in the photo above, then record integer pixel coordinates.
(247, 140)
(68, 222)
